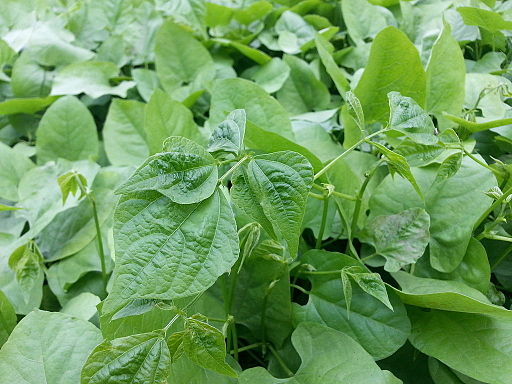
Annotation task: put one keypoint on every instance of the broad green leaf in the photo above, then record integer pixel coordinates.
(8, 318)
(136, 359)
(146, 81)
(166, 251)
(328, 356)
(336, 74)
(26, 262)
(442, 374)
(372, 324)
(302, 92)
(82, 306)
(384, 74)
(29, 105)
(401, 239)
(446, 75)
(446, 295)
(204, 345)
(166, 117)
(89, 77)
(186, 173)
(271, 76)
(397, 163)
(179, 57)
(453, 206)
(273, 189)
(67, 130)
(474, 270)
(184, 371)
(44, 342)
(261, 109)
(13, 165)
(408, 118)
(364, 20)
(228, 136)
(489, 20)
(483, 343)
(123, 133)
(28, 78)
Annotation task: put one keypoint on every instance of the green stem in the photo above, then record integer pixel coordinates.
(323, 224)
(335, 193)
(477, 127)
(100, 243)
(316, 196)
(170, 323)
(299, 288)
(497, 202)
(502, 257)
(369, 257)
(344, 154)
(337, 272)
(498, 237)
(357, 207)
(246, 348)
(476, 160)
(281, 362)
(233, 168)
(234, 338)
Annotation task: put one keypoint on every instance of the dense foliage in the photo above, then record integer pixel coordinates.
(255, 191)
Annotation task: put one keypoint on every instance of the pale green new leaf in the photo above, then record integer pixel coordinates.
(166, 117)
(166, 251)
(70, 183)
(26, 262)
(408, 118)
(204, 345)
(186, 173)
(123, 133)
(42, 344)
(484, 18)
(373, 285)
(228, 136)
(401, 239)
(137, 359)
(67, 130)
(394, 65)
(273, 190)
(449, 167)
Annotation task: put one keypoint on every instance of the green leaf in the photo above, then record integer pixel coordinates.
(82, 306)
(67, 130)
(397, 163)
(408, 118)
(42, 343)
(483, 343)
(492, 21)
(372, 284)
(184, 371)
(186, 173)
(401, 239)
(371, 323)
(328, 356)
(13, 165)
(146, 81)
(175, 344)
(446, 75)
(166, 117)
(270, 76)
(8, 318)
(166, 251)
(261, 109)
(136, 359)
(302, 92)
(70, 183)
(446, 295)
(89, 77)
(449, 167)
(28, 105)
(384, 74)
(228, 136)
(26, 261)
(336, 74)
(204, 345)
(179, 57)
(273, 189)
(123, 133)
(4, 207)
(454, 206)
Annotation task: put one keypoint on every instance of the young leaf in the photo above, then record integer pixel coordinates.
(204, 345)
(449, 167)
(166, 251)
(347, 289)
(401, 239)
(137, 359)
(70, 183)
(44, 342)
(175, 344)
(407, 117)
(273, 189)
(185, 172)
(397, 163)
(228, 136)
(337, 75)
(27, 262)
(372, 284)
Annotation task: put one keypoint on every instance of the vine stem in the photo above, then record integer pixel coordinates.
(281, 362)
(323, 224)
(101, 251)
(477, 127)
(344, 154)
(492, 207)
(233, 168)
